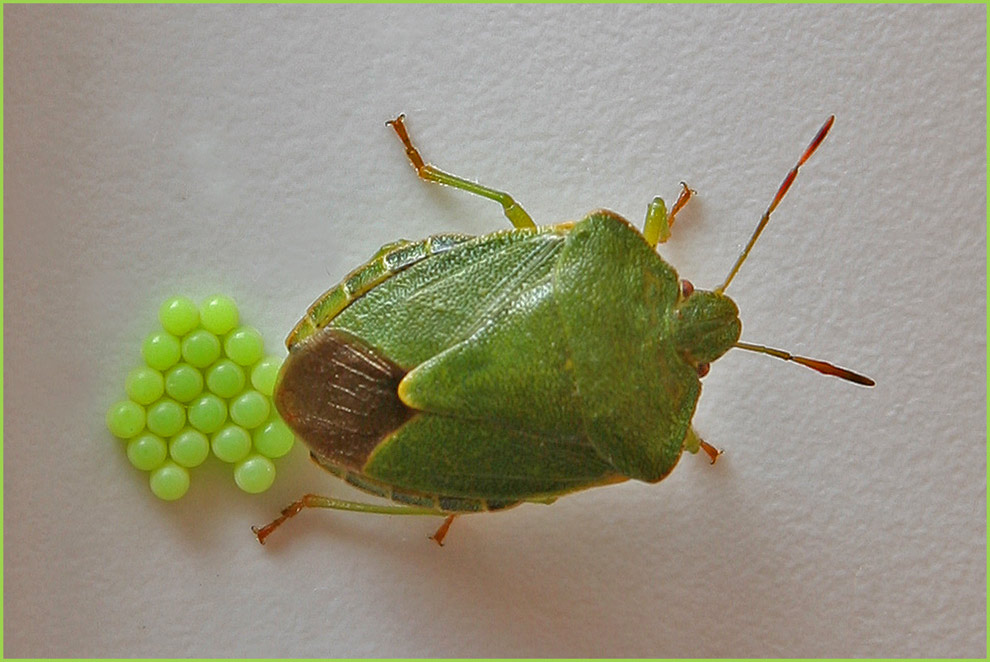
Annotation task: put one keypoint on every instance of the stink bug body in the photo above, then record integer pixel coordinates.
(461, 374)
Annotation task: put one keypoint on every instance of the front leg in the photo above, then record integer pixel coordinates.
(656, 229)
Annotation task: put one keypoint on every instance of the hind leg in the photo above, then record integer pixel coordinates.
(317, 501)
(516, 214)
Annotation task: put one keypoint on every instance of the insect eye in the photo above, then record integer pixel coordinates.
(686, 288)
(703, 369)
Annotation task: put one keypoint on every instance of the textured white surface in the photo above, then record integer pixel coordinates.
(161, 150)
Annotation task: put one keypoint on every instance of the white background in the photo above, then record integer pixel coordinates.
(152, 151)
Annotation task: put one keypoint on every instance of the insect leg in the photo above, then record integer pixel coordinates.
(317, 501)
(656, 229)
(516, 214)
(693, 443)
(712, 452)
(441, 533)
(682, 199)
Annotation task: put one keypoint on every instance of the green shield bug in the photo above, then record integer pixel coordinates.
(463, 374)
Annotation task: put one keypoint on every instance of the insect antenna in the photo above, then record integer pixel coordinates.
(784, 186)
(815, 364)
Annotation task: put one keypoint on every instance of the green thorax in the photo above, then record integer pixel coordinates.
(617, 300)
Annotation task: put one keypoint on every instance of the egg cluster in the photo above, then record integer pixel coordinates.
(206, 386)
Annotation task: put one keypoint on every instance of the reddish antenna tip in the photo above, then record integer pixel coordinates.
(835, 371)
(815, 364)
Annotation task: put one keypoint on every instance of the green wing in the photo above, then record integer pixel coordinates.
(438, 302)
(479, 329)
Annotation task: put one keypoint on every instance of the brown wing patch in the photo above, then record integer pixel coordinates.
(340, 397)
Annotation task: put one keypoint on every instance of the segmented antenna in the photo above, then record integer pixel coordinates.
(784, 186)
(815, 364)
(823, 367)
